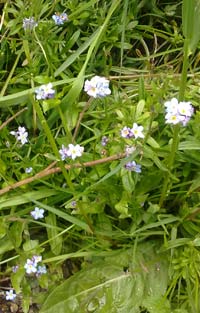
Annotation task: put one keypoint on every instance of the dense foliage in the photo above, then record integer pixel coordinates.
(99, 144)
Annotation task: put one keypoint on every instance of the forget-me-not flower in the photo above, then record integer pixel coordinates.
(41, 270)
(60, 18)
(28, 170)
(126, 132)
(10, 295)
(72, 151)
(133, 167)
(178, 112)
(45, 92)
(97, 87)
(30, 266)
(29, 23)
(21, 135)
(37, 213)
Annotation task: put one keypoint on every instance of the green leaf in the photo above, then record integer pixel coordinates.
(3, 228)
(55, 240)
(122, 206)
(189, 145)
(25, 197)
(16, 279)
(191, 22)
(127, 180)
(15, 233)
(63, 215)
(76, 54)
(107, 287)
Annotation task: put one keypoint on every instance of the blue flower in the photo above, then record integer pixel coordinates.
(60, 18)
(41, 270)
(29, 23)
(97, 87)
(133, 167)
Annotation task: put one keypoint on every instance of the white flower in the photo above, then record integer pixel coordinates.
(28, 170)
(30, 266)
(97, 87)
(36, 259)
(172, 118)
(74, 151)
(185, 108)
(171, 106)
(10, 295)
(45, 92)
(37, 213)
(137, 131)
(178, 112)
(21, 135)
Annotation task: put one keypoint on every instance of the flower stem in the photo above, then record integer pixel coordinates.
(175, 140)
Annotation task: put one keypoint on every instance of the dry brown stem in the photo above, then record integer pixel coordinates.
(49, 171)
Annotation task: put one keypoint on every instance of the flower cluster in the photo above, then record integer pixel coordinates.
(45, 92)
(97, 87)
(21, 135)
(29, 23)
(10, 295)
(133, 167)
(178, 112)
(32, 266)
(72, 151)
(60, 18)
(37, 213)
(135, 131)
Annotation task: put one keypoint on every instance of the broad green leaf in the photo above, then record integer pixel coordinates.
(30, 245)
(5, 245)
(107, 286)
(127, 180)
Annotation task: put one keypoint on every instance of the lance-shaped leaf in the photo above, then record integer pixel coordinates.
(191, 23)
